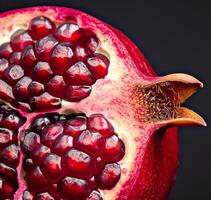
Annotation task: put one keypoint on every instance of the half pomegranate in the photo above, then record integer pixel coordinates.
(82, 115)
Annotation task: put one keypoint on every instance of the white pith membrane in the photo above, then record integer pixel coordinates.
(125, 106)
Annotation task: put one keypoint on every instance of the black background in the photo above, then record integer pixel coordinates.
(175, 37)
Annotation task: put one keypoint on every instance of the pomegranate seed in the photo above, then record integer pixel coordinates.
(42, 71)
(5, 50)
(74, 188)
(6, 92)
(81, 53)
(28, 164)
(51, 167)
(78, 74)
(91, 142)
(114, 149)
(68, 32)
(95, 195)
(76, 93)
(75, 126)
(6, 136)
(51, 132)
(13, 74)
(62, 57)
(78, 163)
(28, 59)
(62, 144)
(40, 123)
(99, 123)
(35, 180)
(7, 172)
(20, 40)
(6, 189)
(44, 196)
(21, 88)
(39, 153)
(27, 195)
(98, 66)
(35, 88)
(40, 26)
(45, 102)
(15, 58)
(56, 86)
(92, 43)
(10, 155)
(3, 66)
(12, 121)
(31, 140)
(108, 178)
(44, 48)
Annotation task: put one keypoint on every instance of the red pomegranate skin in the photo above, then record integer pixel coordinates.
(150, 173)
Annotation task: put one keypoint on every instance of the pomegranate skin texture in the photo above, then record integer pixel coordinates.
(83, 116)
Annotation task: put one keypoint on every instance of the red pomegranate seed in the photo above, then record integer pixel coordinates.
(20, 40)
(76, 93)
(51, 167)
(44, 196)
(99, 123)
(75, 188)
(12, 121)
(28, 59)
(6, 136)
(6, 92)
(35, 180)
(35, 88)
(62, 144)
(39, 153)
(114, 149)
(56, 86)
(5, 50)
(62, 57)
(10, 155)
(7, 172)
(13, 74)
(91, 142)
(15, 58)
(81, 53)
(3, 66)
(28, 164)
(108, 178)
(40, 123)
(68, 32)
(78, 74)
(44, 48)
(42, 71)
(45, 102)
(92, 43)
(75, 126)
(51, 132)
(78, 163)
(31, 140)
(6, 189)
(95, 195)
(40, 26)
(98, 66)
(21, 88)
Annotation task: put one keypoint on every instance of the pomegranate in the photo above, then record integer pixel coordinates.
(83, 116)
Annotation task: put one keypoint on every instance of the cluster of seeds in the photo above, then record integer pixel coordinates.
(10, 121)
(47, 63)
(71, 157)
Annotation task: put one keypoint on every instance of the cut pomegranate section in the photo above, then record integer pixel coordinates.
(64, 152)
(95, 122)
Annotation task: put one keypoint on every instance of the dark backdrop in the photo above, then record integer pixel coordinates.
(175, 37)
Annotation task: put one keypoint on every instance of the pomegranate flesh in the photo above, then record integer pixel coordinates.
(83, 116)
